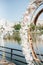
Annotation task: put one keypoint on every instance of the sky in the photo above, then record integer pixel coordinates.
(13, 10)
(36, 12)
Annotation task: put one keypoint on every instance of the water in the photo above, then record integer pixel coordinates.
(11, 44)
(14, 45)
(17, 46)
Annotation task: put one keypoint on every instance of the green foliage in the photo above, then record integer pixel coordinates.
(17, 27)
(40, 27)
(42, 32)
(16, 36)
(37, 30)
(32, 26)
(37, 27)
(7, 36)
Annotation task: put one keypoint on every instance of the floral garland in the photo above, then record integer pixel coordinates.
(24, 28)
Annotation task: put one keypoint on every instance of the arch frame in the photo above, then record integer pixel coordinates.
(26, 46)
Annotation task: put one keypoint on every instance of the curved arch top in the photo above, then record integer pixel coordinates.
(38, 9)
(36, 18)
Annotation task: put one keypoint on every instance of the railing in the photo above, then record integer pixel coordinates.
(11, 54)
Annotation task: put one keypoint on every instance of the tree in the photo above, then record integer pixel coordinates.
(17, 27)
(16, 36)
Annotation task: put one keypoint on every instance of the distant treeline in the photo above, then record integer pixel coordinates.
(16, 32)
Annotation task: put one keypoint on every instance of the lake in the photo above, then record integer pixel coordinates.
(14, 45)
(37, 46)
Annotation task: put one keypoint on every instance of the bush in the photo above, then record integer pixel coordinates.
(17, 27)
(16, 36)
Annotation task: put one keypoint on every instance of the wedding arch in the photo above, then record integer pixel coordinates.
(25, 32)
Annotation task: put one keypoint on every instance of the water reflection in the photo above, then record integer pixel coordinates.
(38, 43)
